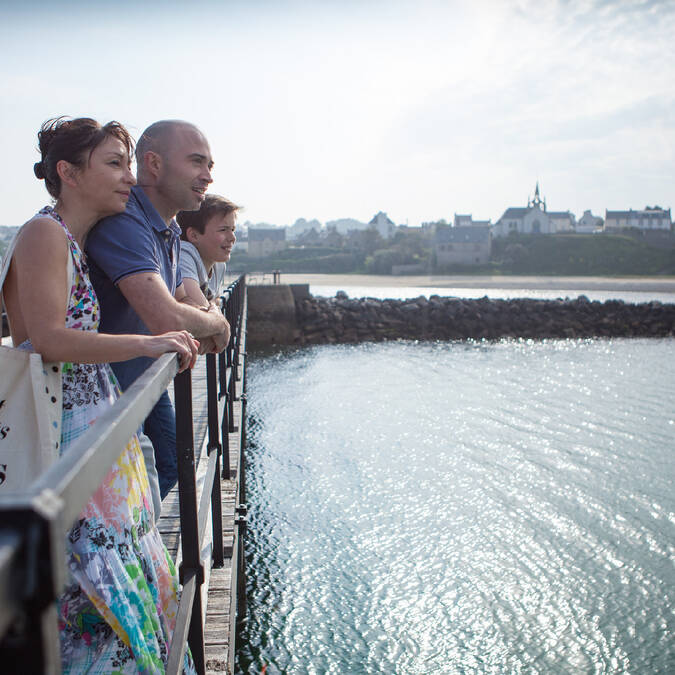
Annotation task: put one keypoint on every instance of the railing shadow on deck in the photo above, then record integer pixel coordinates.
(34, 526)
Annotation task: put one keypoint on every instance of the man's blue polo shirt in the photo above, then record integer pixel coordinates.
(135, 241)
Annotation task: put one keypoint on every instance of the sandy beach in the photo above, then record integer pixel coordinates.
(645, 284)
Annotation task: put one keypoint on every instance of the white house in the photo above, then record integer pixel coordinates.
(562, 221)
(384, 225)
(588, 223)
(649, 218)
(468, 221)
(346, 225)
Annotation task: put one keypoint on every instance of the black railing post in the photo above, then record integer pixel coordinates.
(225, 435)
(237, 339)
(240, 522)
(231, 363)
(231, 393)
(31, 644)
(222, 375)
(223, 392)
(214, 446)
(242, 456)
(191, 564)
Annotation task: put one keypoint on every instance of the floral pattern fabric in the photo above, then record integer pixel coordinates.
(118, 611)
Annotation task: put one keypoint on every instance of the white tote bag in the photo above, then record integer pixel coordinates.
(30, 408)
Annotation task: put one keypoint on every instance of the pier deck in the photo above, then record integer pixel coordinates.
(220, 584)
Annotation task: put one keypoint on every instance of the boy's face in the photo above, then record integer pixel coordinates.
(215, 245)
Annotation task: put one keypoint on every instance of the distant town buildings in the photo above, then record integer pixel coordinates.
(649, 218)
(562, 221)
(241, 245)
(532, 219)
(311, 237)
(468, 244)
(468, 221)
(301, 226)
(383, 224)
(265, 241)
(536, 219)
(346, 225)
(589, 224)
(465, 242)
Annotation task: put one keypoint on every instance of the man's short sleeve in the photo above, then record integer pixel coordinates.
(122, 245)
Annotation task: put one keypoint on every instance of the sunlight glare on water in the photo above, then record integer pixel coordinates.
(462, 508)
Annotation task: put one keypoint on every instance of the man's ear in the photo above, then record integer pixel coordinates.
(67, 172)
(152, 163)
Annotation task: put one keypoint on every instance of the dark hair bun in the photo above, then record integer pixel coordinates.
(72, 140)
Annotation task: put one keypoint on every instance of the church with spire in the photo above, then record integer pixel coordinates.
(536, 200)
(533, 218)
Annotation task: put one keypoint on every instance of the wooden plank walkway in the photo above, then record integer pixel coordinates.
(220, 584)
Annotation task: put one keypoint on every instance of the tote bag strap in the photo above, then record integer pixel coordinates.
(4, 268)
(36, 388)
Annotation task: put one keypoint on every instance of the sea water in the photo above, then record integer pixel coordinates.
(463, 507)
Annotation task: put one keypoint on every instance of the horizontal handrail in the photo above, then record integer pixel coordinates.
(205, 500)
(78, 473)
(180, 631)
(58, 496)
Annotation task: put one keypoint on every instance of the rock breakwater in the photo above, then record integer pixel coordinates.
(341, 319)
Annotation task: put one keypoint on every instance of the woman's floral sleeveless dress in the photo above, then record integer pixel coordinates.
(118, 612)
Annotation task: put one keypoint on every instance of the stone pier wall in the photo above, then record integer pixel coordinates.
(340, 319)
(272, 315)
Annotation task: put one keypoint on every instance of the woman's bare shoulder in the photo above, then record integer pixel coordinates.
(43, 229)
(41, 241)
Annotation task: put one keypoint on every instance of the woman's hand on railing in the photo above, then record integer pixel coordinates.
(179, 341)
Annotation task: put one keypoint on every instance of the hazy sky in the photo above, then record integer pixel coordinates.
(341, 109)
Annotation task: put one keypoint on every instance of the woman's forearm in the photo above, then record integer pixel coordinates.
(79, 346)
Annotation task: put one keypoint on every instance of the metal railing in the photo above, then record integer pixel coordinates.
(262, 278)
(34, 526)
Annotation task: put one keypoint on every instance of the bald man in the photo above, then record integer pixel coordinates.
(133, 259)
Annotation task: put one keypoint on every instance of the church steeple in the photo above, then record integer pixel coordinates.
(537, 200)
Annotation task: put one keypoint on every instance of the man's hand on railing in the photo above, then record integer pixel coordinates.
(207, 345)
(214, 344)
(221, 340)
